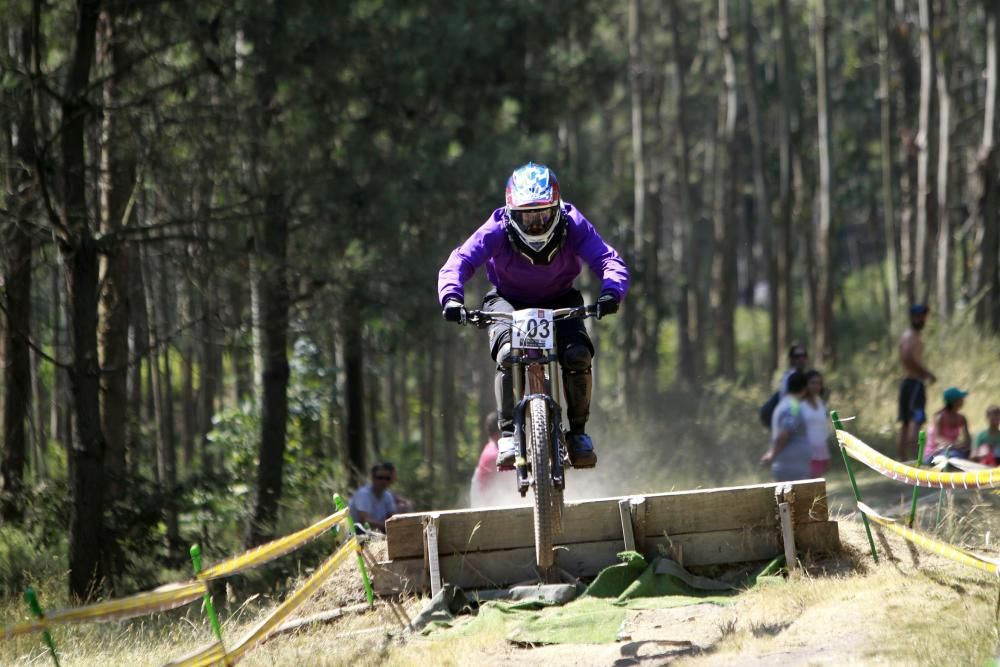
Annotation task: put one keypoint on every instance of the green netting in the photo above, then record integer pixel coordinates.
(613, 580)
(583, 621)
(535, 615)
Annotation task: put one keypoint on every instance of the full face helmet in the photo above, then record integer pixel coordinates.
(535, 222)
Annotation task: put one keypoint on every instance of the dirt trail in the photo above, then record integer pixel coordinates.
(844, 610)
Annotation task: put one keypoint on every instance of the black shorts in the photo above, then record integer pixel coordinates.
(568, 332)
(912, 401)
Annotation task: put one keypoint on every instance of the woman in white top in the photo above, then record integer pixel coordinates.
(817, 423)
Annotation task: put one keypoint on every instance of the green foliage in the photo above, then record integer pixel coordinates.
(23, 560)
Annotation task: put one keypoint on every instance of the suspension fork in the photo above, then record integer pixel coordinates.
(555, 440)
(521, 462)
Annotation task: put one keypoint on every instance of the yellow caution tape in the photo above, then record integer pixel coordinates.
(213, 654)
(166, 597)
(176, 595)
(274, 549)
(936, 546)
(292, 602)
(981, 479)
(964, 465)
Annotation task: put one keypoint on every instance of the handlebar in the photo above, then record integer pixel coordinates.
(484, 318)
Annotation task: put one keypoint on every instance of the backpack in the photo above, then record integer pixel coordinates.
(767, 410)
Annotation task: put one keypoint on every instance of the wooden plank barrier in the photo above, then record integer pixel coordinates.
(495, 547)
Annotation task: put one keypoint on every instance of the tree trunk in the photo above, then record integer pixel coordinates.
(394, 396)
(335, 407)
(788, 79)
(486, 389)
(944, 260)
(635, 103)
(256, 324)
(115, 186)
(274, 295)
(824, 240)
(724, 259)
(374, 410)
(243, 386)
(684, 254)
(87, 480)
(763, 207)
(910, 74)
(17, 369)
(633, 317)
(187, 353)
(211, 374)
(40, 399)
(18, 281)
(984, 192)
(139, 354)
(354, 391)
(920, 276)
(450, 409)
(166, 450)
(60, 419)
(427, 404)
(885, 122)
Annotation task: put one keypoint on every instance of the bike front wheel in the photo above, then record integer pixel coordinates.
(544, 496)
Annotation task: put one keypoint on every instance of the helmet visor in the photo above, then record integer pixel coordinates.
(537, 221)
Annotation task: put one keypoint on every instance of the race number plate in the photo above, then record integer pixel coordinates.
(533, 328)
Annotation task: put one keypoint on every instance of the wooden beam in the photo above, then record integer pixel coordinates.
(704, 510)
(586, 559)
(637, 508)
(624, 512)
(432, 553)
(785, 497)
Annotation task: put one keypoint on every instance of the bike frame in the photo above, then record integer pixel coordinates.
(537, 373)
(536, 369)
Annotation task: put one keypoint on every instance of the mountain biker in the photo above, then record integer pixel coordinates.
(533, 249)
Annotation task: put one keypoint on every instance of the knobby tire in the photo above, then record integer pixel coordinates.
(544, 515)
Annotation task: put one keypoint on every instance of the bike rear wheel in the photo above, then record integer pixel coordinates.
(544, 496)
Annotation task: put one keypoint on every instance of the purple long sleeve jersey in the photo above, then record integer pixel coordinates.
(515, 277)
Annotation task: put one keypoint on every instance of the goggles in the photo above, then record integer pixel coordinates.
(536, 221)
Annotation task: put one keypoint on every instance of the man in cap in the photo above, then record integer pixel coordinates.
(912, 393)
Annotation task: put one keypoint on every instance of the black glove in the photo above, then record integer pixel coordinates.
(607, 304)
(454, 311)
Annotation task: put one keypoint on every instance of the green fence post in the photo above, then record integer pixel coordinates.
(854, 484)
(36, 609)
(921, 441)
(209, 606)
(341, 505)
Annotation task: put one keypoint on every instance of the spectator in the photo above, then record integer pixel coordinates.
(987, 447)
(949, 433)
(798, 358)
(912, 395)
(789, 454)
(490, 486)
(373, 503)
(403, 505)
(817, 424)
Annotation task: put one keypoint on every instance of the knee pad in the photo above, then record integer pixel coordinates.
(576, 359)
(503, 357)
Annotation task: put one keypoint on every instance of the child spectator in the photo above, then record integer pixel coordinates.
(817, 424)
(987, 446)
(789, 454)
(949, 433)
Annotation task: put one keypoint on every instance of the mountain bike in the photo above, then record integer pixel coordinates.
(542, 456)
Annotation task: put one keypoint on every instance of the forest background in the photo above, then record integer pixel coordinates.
(222, 223)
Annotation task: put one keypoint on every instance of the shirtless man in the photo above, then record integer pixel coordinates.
(912, 397)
